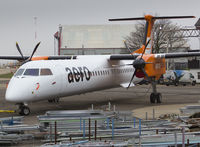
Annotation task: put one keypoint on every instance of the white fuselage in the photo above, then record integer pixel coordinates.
(69, 77)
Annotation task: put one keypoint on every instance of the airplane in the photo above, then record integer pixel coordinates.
(52, 77)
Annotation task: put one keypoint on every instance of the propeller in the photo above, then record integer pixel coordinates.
(139, 64)
(127, 47)
(19, 50)
(30, 57)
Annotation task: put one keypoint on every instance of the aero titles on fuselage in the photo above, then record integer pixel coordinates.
(78, 74)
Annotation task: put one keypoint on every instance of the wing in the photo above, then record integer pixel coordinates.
(20, 58)
(164, 55)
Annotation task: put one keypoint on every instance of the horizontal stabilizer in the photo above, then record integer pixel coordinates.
(153, 18)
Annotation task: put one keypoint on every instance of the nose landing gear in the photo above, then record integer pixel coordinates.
(23, 109)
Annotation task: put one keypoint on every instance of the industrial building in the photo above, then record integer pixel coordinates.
(92, 39)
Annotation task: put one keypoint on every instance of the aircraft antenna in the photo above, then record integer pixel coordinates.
(35, 23)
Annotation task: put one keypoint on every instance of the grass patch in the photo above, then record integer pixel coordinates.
(8, 75)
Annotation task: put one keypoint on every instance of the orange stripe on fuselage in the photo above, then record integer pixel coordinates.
(40, 58)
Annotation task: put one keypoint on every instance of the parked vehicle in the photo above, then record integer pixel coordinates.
(178, 77)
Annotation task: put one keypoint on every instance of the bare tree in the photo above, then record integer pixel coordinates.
(163, 36)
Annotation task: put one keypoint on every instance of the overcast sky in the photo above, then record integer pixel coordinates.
(17, 18)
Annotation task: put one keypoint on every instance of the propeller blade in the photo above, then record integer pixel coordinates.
(146, 74)
(145, 48)
(125, 19)
(127, 47)
(132, 78)
(173, 17)
(33, 51)
(19, 50)
(122, 65)
(148, 62)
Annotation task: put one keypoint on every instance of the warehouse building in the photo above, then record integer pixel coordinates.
(92, 39)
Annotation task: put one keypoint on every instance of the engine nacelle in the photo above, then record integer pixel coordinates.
(155, 66)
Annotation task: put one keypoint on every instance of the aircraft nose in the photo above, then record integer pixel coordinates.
(15, 92)
(12, 94)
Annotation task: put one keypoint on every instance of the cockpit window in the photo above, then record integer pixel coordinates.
(45, 71)
(31, 72)
(19, 72)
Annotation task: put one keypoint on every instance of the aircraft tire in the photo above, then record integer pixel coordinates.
(152, 98)
(193, 83)
(159, 98)
(24, 110)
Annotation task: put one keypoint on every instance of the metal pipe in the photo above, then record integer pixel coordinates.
(80, 123)
(55, 132)
(134, 120)
(139, 127)
(84, 128)
(50, 132)
(113, 129)
(107, 123)
(183, 137)
(89, 128)
(95, 131)
(175, 137)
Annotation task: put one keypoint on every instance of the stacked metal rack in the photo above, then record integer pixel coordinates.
(112, 128)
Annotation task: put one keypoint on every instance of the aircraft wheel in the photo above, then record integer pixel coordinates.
(193, 83)
(152, 98)
(24, 110)
(159, 98)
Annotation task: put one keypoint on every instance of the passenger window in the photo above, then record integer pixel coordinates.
(45, 72)
(19, 72)
(31, 72)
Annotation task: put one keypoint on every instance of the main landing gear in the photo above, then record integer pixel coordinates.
(155, 97)
(23, 109)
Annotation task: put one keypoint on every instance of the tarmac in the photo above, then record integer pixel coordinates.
(135, 99)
